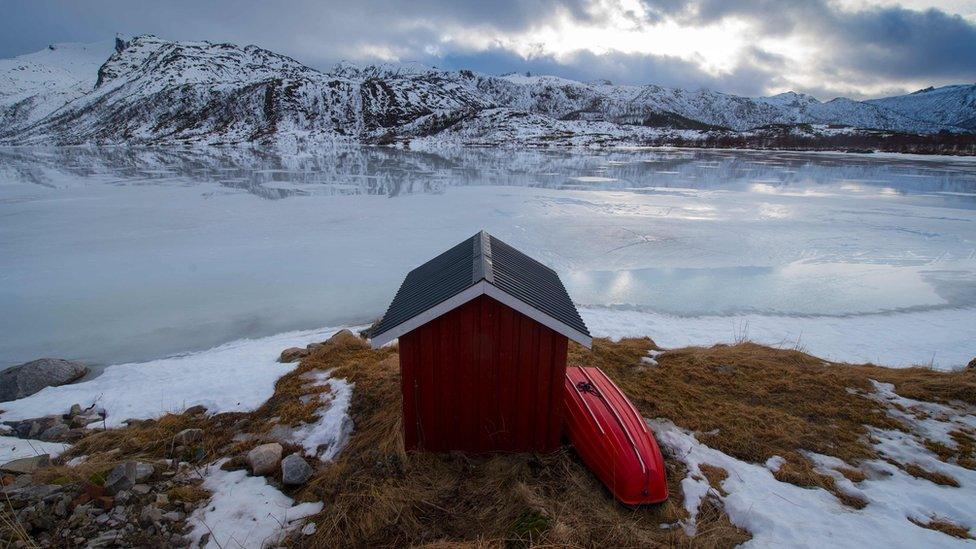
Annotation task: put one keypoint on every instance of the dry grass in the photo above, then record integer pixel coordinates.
(749, 401)
(918, 471)
(945, 526)
(189, 493)
(379, 495)
(754, 402)
(715, 475)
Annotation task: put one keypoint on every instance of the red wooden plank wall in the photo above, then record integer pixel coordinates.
(483, 378)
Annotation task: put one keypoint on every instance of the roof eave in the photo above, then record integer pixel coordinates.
(480, 288)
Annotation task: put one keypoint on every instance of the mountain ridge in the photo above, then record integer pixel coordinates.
(151, 90)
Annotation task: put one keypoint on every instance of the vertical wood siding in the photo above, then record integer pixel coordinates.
(483, 378)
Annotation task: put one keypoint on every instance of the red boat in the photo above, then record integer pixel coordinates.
(612, 438)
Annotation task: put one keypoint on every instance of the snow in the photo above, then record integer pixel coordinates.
(876, 338)
(12, 448)
(48, 79)
(245, 511)
(769, 509)
(234, 377)
(933, 421)
(325, 437)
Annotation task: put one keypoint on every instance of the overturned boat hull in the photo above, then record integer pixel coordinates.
(612, 438)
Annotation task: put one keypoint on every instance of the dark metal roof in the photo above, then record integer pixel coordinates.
(484, 258)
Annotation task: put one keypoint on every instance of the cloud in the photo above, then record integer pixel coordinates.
(870, 43)
(842, 50)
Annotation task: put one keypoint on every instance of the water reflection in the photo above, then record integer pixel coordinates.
(394, 172)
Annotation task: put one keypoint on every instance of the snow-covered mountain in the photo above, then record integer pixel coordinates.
(949, 105)
(35, 85)
(152, 90)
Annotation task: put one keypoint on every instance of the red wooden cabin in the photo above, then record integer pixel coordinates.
(483, 331)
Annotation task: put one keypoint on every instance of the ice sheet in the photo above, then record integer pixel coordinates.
(128, 256)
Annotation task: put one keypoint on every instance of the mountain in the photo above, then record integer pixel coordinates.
(948, 105)
(35, 85)
(151, 90)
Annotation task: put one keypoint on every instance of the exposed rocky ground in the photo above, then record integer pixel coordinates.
(831, 438)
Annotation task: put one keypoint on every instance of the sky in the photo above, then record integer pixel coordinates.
(827, 48)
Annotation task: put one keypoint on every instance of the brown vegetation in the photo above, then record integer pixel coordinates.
(380, 495)
(749, 401)
(754, 402)
(945, 526)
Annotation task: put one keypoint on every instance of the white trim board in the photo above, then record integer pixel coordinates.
(481, 288)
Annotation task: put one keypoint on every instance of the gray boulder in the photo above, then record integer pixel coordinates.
(26, 465)
(264, 459)
(28, 378)
(126, 475)
(295, 470)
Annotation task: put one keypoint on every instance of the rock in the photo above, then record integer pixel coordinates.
(126, 475)
(141, 489)
(173, 516)
(292, 354)
(344, 339)
(26, 465)
(84, 419)
(26, 379)
(74, 435)
(187, 436)
(295, 470)
(263, 460)
(196, 410)
(150, 514)
(75, 410)
(308, 529)
(972, 364)
(54, 433)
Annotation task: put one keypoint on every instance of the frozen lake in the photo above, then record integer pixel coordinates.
(120, 255)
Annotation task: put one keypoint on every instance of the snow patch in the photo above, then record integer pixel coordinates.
(245, 511)
(12, 448)
(234, 377)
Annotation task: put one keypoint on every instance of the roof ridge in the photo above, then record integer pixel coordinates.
(482, 267)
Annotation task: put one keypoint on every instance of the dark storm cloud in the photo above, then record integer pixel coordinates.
(877, 42)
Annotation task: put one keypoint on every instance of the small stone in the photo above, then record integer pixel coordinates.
(162, 500)
(150, 514)
(308, 529)
(263, 460)
(27, 465)
(141, 489)
(75, 410)
(295, 470)
(972, 364)
(173, 516)
(292, 354)
(83, 420)
(188, 436)
(196, 410)
(345, 339)
(126, 475)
